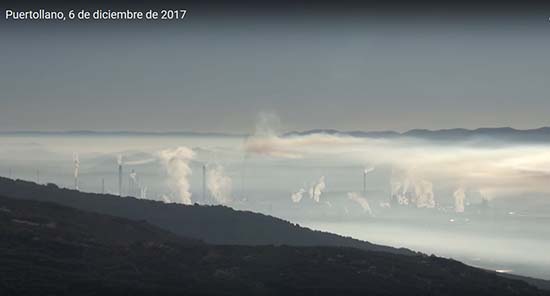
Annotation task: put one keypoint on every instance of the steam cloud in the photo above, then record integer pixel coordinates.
(362, 201)
(133, 176)
(176, 162)
(459, 196)
(317, 189)
(143, 192)
(408, 189)
(166, 199)
(368, 170)
(298, 195)
(140, 162)
(314, 192)
(219, 184)
(424, 194)
(136, 187)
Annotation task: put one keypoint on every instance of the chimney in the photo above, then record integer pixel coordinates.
(131, 184)
(364, 183)
(120, 179)
(204, 184)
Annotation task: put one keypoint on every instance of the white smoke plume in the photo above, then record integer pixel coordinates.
(362, 201)
(368, 170)
(219, 184)
(424, 194)
(487, 193)
(76, 161)
(317, 189)
(143, 192)
(408, 189)
(294, 147)
(119, 159)
(176, 162)
(384, 205)
(298, 195)
(459, 196)
(399, 187)
(133, 176)
(139, 162)
(135, 185)
(166, 199)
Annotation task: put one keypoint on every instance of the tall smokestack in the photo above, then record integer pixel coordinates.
(204, 183)
(120, 175)
(76, 161)
(103, 186)
(364, 183)
(131, 183)
(120, 180)
(366, 171)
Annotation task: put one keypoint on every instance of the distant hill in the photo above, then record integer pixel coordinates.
(48, 249)
(455, 134)
(502, 134)
(211, 224)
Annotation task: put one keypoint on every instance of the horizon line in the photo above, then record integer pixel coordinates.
(216, 133)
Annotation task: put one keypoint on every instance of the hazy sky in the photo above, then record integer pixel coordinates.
(217, 72)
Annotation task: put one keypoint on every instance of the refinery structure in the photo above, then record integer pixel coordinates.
(406, 191)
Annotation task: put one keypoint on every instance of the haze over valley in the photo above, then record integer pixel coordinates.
(481, 199)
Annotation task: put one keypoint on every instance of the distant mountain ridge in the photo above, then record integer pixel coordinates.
(541, 134)
(457, 134)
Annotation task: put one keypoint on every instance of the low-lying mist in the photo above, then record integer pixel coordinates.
(482, 201)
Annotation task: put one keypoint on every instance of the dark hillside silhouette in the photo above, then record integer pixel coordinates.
(48, 249)
(211, 224)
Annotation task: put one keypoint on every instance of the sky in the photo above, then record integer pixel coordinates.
(347, 68)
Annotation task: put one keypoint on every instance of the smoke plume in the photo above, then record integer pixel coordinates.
(459, 196)
(362, 201)
(136, 187)
(368, 170)
(176, 162)
(143, 192)
(298, 195)
(317, 189)
(409, 189)
(140, 162)
(166, 199)
(133, 177)
(219, 184)
(424, 194)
